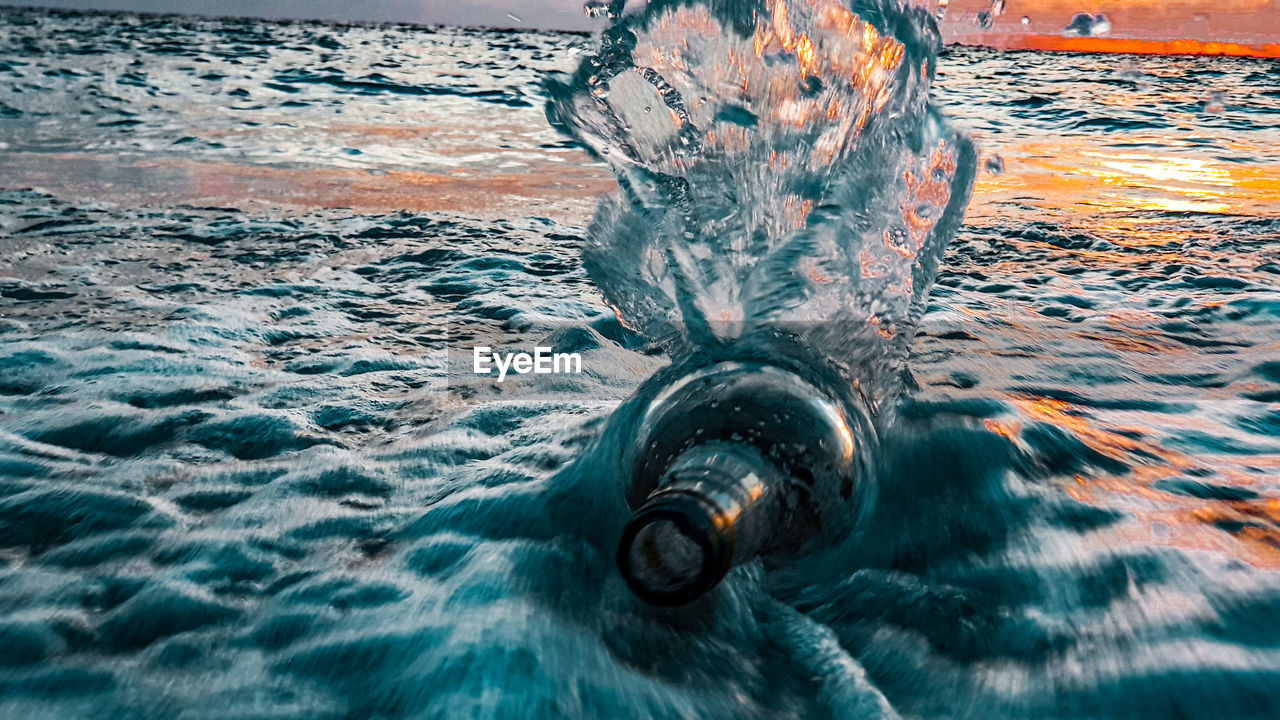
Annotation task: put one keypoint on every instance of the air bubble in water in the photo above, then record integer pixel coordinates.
(994, 165)
(896, 239)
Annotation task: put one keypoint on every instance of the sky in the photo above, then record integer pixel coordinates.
(550, 14)
(1253, 23)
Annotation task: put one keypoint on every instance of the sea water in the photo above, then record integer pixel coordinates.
(239, 481)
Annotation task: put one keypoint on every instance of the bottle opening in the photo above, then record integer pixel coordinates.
(672, 552)
(665, 558)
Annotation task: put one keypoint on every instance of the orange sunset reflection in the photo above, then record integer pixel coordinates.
(1080, 173)
(1193, 27)
(1252, 525)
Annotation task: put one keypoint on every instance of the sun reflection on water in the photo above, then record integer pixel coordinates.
(1072, 173)
(1247, 527)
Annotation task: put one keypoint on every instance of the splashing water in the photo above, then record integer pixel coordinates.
(1086, 25)
(782, 170)
(602, 8)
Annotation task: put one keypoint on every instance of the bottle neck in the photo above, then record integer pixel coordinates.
(734, 460)
(714, 508)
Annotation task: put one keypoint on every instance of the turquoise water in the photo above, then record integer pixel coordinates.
(237, 478)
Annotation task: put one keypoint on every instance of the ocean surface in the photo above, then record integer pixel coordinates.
(238, 478)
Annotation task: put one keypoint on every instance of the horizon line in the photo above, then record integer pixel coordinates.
(990, 41)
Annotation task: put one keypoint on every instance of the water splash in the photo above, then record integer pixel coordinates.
(599, 9)
(1086, 25)
(1214, 102)
(782, 171)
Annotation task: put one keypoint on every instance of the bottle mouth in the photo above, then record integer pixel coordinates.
(675, 549)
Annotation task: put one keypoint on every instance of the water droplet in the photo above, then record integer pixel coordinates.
(597, 9)
(1131, 71)
(1026, 21)
(1086, 25)
(994, 165)
(924, 211)
(647, 108)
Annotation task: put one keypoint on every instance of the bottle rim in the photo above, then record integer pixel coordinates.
(696, 518)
